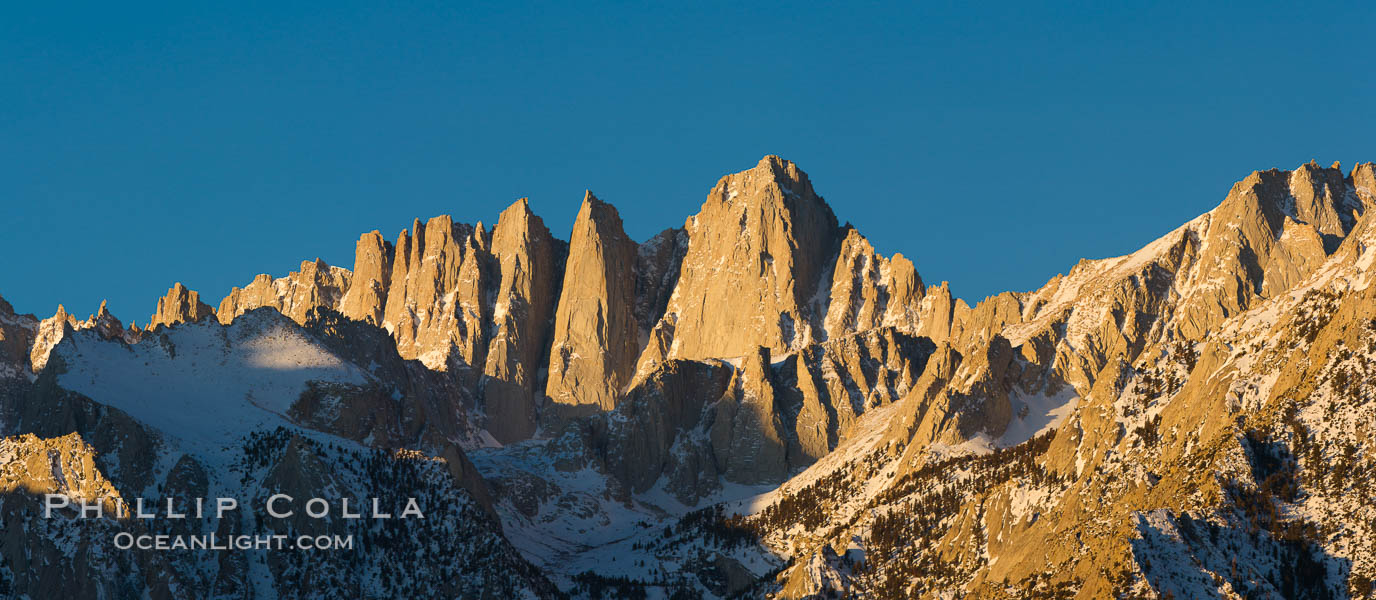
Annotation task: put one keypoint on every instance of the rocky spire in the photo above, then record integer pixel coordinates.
(180, 305)
(50, 331)
(594, 346)
(104, 323)
(367, 295)
(528, 259)
(405, 253)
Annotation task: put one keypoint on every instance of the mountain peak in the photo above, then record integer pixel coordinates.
(520, 209)
(772, 173)
(765, 230)
(593, 350)
(1310, 195)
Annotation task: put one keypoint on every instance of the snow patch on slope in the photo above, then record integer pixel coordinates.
(205, 384)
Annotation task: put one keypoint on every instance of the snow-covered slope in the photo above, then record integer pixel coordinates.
(205, 384)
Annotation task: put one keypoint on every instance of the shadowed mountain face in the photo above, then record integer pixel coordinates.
(756, 404)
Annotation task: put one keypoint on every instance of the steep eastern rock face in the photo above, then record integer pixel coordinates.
(180, 305)
(747, 442)
(528, 259)
(652, 432)
(596, 336)
(757, 254)
(366, 299)
(316, 285)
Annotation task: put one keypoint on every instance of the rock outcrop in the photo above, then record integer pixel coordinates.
(36, 551)
(180, 305)
(869, 291)
(596, 337)
(316, 285)
(64, 465)
(438, 300)
(107, 325)
(366, 299)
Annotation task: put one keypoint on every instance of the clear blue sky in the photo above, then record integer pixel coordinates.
(994, 145)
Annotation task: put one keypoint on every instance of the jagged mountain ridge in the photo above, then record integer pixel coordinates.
(488, 300)
(839, 354)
